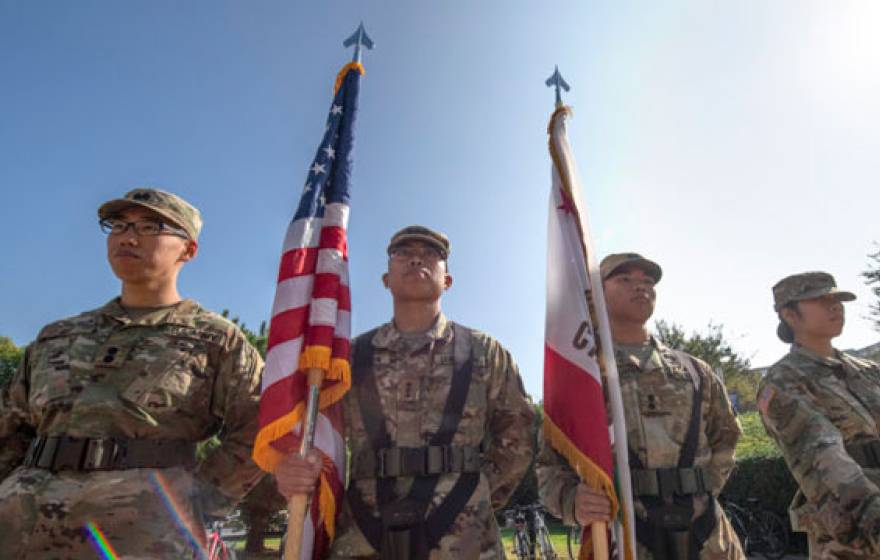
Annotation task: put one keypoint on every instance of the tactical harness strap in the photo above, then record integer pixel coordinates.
(56, 453)
(422, 489)
(661, 488)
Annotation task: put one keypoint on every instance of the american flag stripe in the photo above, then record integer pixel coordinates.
(311, 320)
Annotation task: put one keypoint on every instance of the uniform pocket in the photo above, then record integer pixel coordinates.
(167, 370)
(50, 373)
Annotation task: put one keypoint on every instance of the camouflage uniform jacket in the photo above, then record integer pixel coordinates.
(657, 402)
(177, 373)
(413, 384)
(813, 407)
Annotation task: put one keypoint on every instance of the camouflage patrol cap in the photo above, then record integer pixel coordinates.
(616, 260)
(806, 285)
(433, 238)
(166, 204)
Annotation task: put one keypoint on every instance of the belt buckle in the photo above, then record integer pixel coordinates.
(436, 456)
(34, 451)
(668, 481)
(69, 454)
(100, 454)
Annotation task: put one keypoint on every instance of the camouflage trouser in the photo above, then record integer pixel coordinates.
(66, 515)
(824, 547)
(722, 544)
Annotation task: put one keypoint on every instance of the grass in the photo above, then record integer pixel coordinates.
(558, 537)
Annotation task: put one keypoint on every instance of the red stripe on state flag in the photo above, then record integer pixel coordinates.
(568, 388)
(297, 262)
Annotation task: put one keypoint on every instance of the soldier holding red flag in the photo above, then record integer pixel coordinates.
(681, 432)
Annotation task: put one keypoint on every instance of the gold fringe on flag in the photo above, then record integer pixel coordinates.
(327, 505)
(341, 75)
(266, 456)
(591, 474)
(315, 357)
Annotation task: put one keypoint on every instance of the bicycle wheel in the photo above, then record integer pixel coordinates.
(521, 546)
(773, 533)
(547, 552)
(739, 527)
(574, 541)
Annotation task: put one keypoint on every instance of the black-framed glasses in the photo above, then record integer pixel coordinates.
(429, 254)
(147, 228)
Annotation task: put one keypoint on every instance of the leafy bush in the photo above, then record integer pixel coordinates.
(754, 443)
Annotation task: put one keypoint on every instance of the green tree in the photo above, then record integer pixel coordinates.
(711, 346)
(258, 338)
(10, 357)
(872, 278)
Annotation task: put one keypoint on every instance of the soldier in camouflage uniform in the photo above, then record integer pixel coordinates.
(658, 385)
(822, 407)
(115, 400)
(405, 375)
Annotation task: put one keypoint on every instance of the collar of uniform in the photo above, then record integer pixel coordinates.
(655, 361)
(388, 335)
(836, 361)
(114, 310)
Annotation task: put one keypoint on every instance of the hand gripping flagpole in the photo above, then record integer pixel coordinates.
(599, 530)
(298, 505)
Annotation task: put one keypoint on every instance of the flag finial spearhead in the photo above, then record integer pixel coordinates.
(559, 83)
(358, 38)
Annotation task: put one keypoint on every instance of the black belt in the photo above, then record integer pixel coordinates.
(867, 455)
(56, 453)
(669, 482)
(393, 462)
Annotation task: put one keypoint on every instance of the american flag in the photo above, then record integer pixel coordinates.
(576, 347)
(311, 320)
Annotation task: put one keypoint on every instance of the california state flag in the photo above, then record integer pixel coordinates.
(579, 368)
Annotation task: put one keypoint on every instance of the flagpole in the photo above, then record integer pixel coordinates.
(298, 505)
(608, 368)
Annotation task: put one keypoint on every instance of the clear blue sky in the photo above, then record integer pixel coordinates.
(734, 142)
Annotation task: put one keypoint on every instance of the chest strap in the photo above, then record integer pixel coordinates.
(665, 483)
(666, 490)
(422, 489)
(393, 462)
(57, 453)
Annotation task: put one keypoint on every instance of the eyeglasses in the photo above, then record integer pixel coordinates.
(405, 253)
(147, 228)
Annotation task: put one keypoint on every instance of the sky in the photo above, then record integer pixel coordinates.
(732, 142)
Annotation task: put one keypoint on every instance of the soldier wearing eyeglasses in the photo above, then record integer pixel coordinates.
(438, 423)
(115, 399)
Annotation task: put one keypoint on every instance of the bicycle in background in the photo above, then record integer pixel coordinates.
(523, 548)
(218, 547)
(760, 530)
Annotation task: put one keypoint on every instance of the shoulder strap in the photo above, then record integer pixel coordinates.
(689, 449)
(364, 387)
(422, 488)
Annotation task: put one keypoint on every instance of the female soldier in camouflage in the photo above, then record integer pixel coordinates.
(822, 406)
